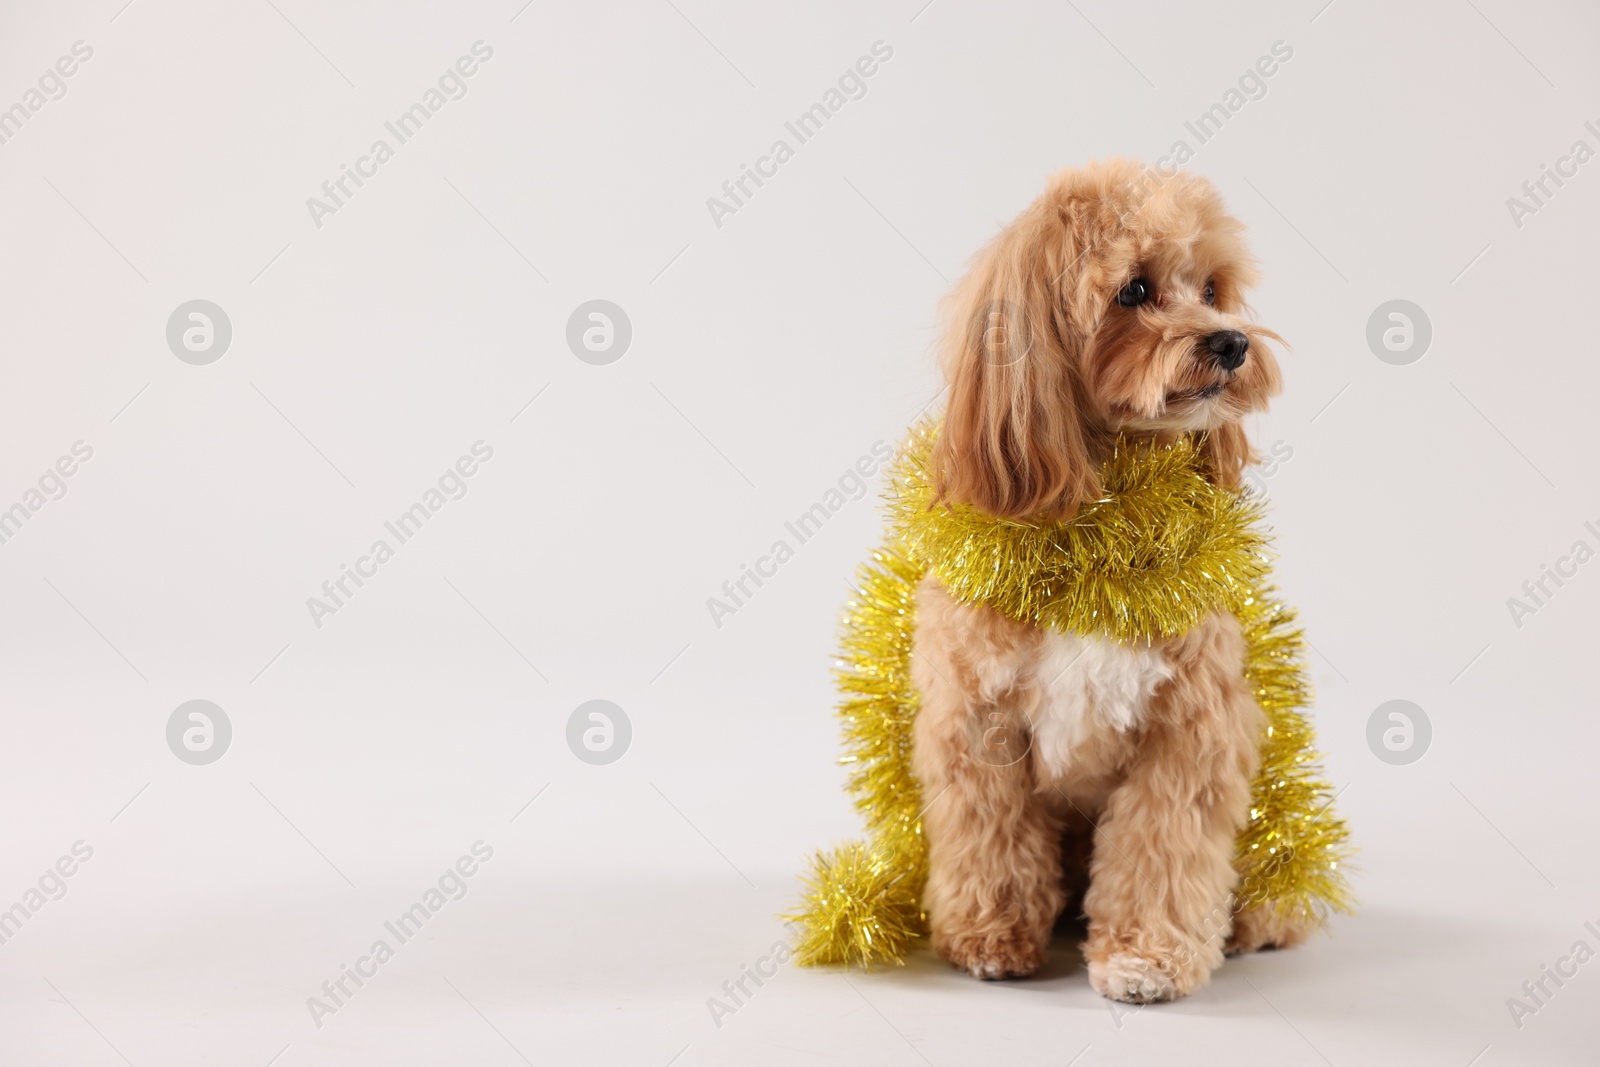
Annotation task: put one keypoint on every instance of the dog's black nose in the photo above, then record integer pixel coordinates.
(1229, 347)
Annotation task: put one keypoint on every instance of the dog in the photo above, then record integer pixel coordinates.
(1113, 305)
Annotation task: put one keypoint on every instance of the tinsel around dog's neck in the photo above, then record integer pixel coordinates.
(1160, 549)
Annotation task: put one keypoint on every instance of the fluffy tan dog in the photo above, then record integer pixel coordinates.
(1057, 763)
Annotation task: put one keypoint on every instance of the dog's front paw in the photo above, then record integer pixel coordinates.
(1140, 969)
(991, 954)
(1125, 976)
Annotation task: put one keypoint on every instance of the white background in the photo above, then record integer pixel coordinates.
(768, 355)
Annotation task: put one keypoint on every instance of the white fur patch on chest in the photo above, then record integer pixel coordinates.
(1089, 686)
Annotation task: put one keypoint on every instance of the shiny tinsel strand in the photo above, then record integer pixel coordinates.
(861, 906)
(1158, 551)
(1162, 548)
(1292, 853)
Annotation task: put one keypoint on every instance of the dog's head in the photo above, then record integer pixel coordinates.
(1113, 304)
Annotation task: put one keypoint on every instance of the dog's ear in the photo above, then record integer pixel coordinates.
(1014, 442)
(1229, 452)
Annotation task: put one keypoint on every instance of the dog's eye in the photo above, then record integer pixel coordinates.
(1211, 293)
(1134, 293)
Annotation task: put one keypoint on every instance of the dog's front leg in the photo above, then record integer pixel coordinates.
(994, 881)
(994, 863)
(1159, 902)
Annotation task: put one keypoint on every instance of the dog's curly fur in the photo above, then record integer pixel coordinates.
(1132, 762)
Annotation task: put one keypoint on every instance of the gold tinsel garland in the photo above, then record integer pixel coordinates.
(1158, 551)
